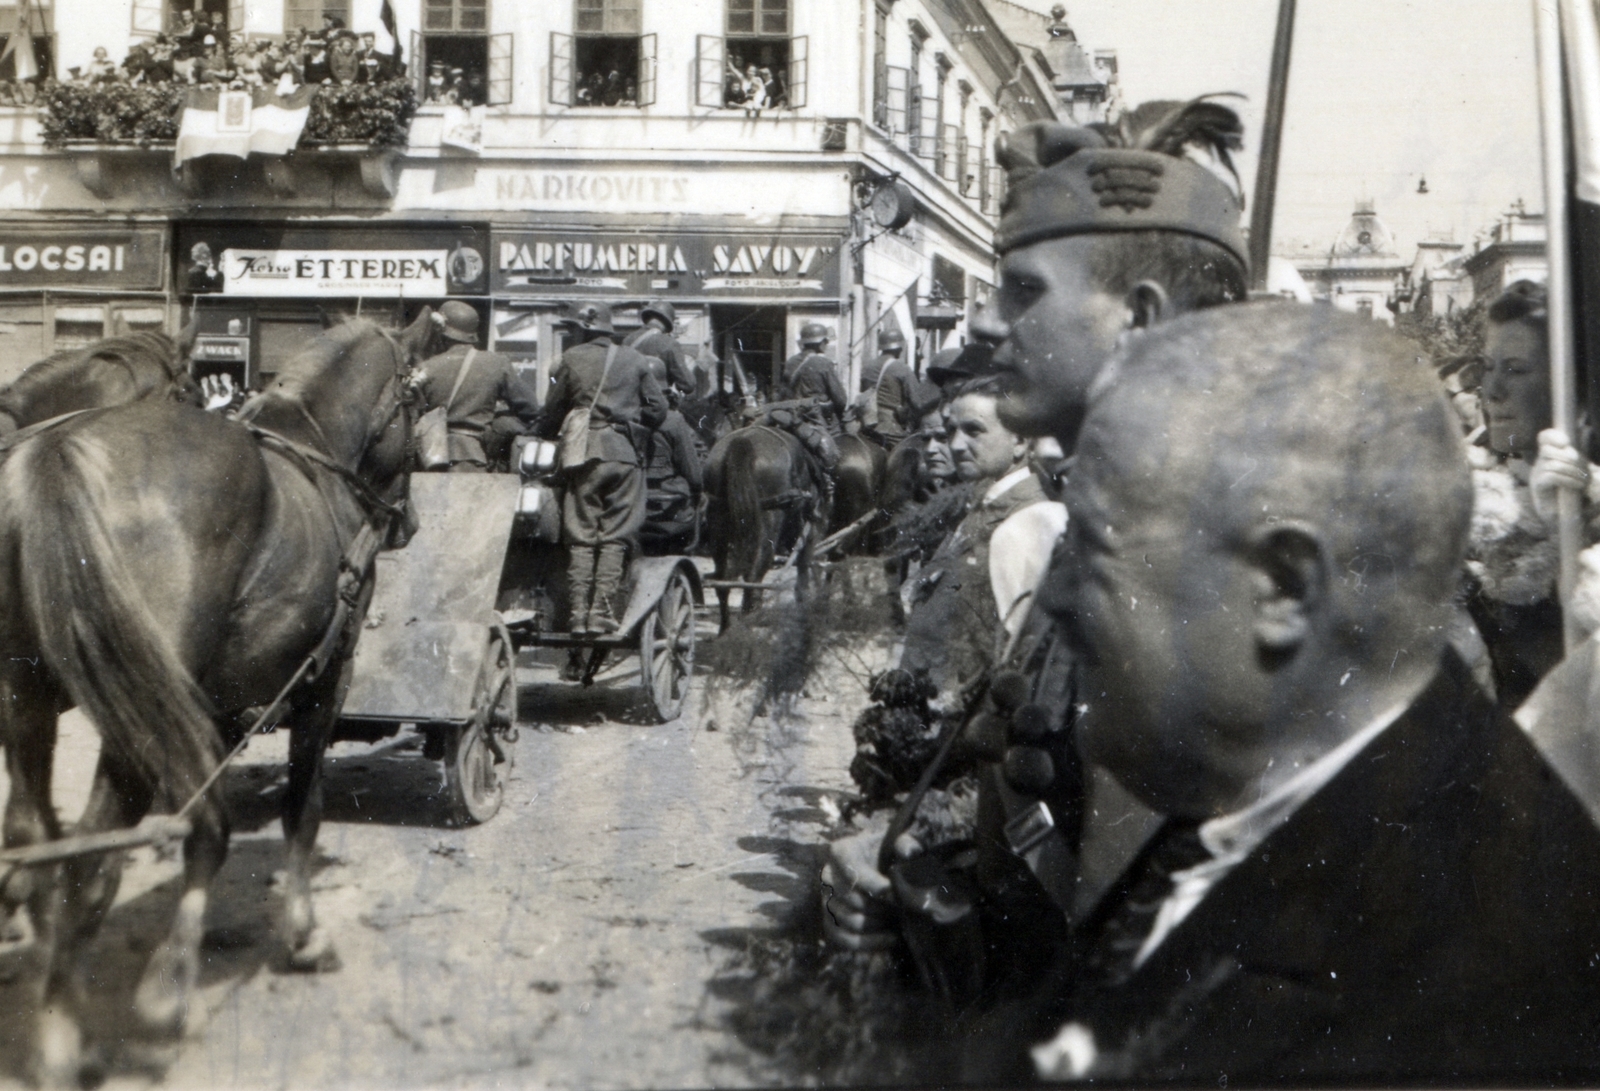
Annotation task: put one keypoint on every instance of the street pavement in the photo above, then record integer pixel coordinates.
(570, 942)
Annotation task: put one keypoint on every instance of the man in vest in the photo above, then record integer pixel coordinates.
(468, 382)
(604, 503)
(655, 338)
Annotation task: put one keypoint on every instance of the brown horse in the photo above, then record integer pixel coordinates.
(166, 571)
(763, 497)
(115, 371)
(858, 482)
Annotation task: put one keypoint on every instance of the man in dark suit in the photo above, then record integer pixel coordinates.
(1366, 871)
(604, 504)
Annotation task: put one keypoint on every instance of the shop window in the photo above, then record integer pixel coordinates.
(456, 61)
(606, 61)
(139, 319)
(77, 327)
(40, 31)
(21, 339)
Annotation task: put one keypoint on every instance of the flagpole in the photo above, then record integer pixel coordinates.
(1271, 138)
(1563, 377)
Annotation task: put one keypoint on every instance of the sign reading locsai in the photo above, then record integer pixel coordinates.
(558, 263)
(335, 272)
(88, 258)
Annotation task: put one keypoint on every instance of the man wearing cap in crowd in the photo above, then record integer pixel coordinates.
(604, 502)
(1105, 231)
(654, 338)
(468, 381)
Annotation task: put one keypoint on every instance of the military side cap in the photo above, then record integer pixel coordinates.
(1073, 181)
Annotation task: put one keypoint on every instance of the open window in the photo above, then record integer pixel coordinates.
(757, 65)
(895, 109)
(456, 60)
(34, 60)
(606, 61)
(308, 14)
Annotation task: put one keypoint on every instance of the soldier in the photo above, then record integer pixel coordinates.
(604, 502)
(898, 398)
(655, 338)
(674, 477)
(808, 374)
(468, 382)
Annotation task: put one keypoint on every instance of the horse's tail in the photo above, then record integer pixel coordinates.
(746, 522)
(95, 628)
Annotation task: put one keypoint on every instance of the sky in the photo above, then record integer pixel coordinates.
(1381, 94)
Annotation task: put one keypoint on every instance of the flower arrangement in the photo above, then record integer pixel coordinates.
(374, 114)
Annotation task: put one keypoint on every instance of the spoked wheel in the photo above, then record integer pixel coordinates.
(666, 649)
(478, 760)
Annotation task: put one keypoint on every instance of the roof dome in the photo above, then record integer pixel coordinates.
(1365, 236)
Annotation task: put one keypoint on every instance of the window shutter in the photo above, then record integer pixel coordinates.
(799, 70)
(895, 111)
(710, 53)
(147, 17)
(914, 117)
(419, 66)
(963, 155)
(560, 69)
(928, 129)
(500, 69)
(236, 16)
(950, 153)
(647, 70)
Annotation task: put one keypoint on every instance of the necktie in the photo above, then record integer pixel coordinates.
(1109, 961)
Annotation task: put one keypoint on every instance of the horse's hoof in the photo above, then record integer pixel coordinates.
(161, 1003)
(315, 955)
(58, 1061)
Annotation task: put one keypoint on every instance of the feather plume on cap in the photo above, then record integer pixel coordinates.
(1176, 128)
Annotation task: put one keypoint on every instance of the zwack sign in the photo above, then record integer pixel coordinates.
(551, 263)
(91, 258)
(384, 273)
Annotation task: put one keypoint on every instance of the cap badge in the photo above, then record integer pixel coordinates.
(1130, 185)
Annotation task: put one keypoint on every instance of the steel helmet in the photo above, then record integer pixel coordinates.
(814, 333)
(662, 310)
(891, 339)
(593, 318)
(460, 321)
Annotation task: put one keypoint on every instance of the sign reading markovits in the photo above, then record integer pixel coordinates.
(88, 258)
(554, 263)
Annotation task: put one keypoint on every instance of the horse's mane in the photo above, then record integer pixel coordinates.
(48, 375)
(301, 373)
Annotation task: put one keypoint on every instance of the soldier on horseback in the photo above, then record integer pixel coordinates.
(893, 399)
(809, 378)
(655, 338)
(603, 402)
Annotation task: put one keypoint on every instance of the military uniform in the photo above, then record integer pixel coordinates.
(902, 400)
(604, 503)
(491, 379)
(809, 374)
(674, 464)
(650, 341)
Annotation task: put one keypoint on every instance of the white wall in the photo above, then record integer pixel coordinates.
(83, 24)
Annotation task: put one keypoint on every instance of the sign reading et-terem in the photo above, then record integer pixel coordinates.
(571, 263)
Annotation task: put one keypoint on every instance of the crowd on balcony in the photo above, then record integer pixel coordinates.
(199, 50)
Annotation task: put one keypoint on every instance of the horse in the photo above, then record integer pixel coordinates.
(858, 483)
(117, 370)
(168, 570)
(762, 498)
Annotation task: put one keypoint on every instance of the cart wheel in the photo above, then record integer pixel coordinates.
(476, 764)
(666, 649)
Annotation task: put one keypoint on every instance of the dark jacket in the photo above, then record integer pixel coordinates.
(901, 402)
(1429, 914)
(491, 379)
(624, 412)
(650, 341)
(812, 375)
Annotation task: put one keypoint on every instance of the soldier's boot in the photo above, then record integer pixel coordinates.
(608, 572)
(580, 587)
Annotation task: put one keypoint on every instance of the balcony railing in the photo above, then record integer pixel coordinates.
(377, 115)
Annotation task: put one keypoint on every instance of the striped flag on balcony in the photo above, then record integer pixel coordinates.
(236, 123)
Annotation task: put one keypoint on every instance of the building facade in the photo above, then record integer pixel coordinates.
(1361, 271)
(758, 163)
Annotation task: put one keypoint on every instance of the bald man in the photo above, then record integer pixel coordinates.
(1367, 873)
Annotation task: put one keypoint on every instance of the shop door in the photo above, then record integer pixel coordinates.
(21, 340)
(749, 342)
